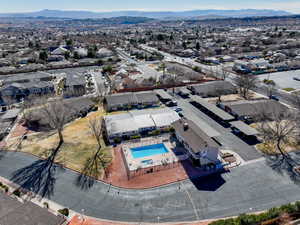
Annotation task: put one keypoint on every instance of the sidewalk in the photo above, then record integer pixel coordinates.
(79, 220)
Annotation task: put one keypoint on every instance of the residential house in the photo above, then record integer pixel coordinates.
(204, 150)
(131, 100)
(73, 108)
(74, 85)
(17, 91)
(104, 52)
(251, 110)
(210, 89)
(135, 123)
(59, 51)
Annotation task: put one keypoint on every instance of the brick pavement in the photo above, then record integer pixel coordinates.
(117, 174)
(78, 220)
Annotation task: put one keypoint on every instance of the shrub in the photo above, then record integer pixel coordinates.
(288, 89)
(266, 218)
(4, 187)
(64, 211)
(135, 137)
(117, 140)
(46, 205)
(155, 132)
(17, 193)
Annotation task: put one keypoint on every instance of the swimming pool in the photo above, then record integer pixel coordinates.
(148, 150)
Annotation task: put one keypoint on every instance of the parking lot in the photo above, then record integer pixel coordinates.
(222, 134)
(283, 79)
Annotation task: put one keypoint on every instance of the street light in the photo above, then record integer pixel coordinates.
(82, 217)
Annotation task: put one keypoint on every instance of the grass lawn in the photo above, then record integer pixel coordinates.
(289, 89)
(79, 144)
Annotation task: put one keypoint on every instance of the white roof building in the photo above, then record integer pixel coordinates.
(134, 122)
(59, 51)
(104, 52)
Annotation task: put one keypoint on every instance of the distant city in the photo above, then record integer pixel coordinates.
(150, 117)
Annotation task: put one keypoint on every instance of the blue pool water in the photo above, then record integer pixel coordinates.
(148, 150)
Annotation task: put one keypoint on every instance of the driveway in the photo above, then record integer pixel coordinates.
(248, 188)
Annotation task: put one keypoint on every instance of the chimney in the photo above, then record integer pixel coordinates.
(185, 126)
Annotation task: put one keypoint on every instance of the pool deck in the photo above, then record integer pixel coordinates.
(134, 164)
(118, 174)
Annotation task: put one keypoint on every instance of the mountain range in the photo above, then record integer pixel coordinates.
(155, 14)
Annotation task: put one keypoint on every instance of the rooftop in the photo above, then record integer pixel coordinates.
(13, 212)
(135, 120)
(255, 107)
(196, 138)
(212, 108)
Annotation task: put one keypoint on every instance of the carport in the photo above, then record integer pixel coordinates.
(184, 92)
(224, 116)
(163, 95)
(244, 128)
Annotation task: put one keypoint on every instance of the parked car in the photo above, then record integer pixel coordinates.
(296, 78)
(171, 103)
(180, 114)
(274, 97)
(178, 110)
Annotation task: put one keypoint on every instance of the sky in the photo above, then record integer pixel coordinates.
(8, 6)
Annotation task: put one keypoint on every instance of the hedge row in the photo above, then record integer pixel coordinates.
(251, 219)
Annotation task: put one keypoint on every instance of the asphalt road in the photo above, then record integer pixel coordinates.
(248, 188)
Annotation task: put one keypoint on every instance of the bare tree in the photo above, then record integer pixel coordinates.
(98, 162)
(280, 132)
(245, 83)
(219, 92)
(271, 87)
(224, 73)
(57, 113)
(95, 125)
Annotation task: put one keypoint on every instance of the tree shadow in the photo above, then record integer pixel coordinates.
(40, 176)
(286, 164)
(93, 167)
(2, 153)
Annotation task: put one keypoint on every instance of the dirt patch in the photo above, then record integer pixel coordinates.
(234, 97)
(79, 143)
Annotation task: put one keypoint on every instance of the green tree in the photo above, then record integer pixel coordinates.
(198, 46)
(107, 69)
(69, 42)
(30, 44)
(91, 53)
(76, 55)
(43, 55)
(67, 55)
